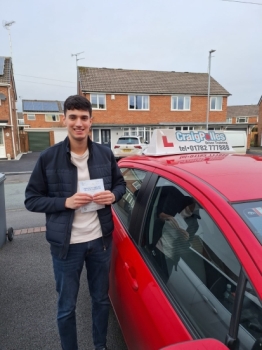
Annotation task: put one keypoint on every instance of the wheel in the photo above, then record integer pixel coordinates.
(10, 234)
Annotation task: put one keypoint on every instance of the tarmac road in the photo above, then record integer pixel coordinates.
(28, 300)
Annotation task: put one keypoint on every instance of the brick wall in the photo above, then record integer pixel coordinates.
(40, 121)
(160, 111)
(251, 120)
(10, 132)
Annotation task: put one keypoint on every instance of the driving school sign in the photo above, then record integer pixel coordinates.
(168, 141)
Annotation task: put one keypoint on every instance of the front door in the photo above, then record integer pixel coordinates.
(106, 137)
(2, 145)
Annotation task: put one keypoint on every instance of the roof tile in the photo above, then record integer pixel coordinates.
(107, 80)
(242, 111)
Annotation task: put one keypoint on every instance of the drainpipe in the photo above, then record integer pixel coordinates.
(11, 117)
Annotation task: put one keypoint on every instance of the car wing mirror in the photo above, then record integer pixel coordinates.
(201, 344)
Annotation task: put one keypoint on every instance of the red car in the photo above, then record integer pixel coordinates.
(187, 254)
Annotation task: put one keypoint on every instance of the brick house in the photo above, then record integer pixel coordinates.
(244, 118)
(9, 133)
(43, 123)
(138, 101)
(259, 126)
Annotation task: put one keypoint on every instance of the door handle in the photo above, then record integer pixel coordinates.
(132, 280)
(209, 303)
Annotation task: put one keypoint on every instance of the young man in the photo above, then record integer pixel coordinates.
(78, 217)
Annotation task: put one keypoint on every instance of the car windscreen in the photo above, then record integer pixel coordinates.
(251, 213)
(127, 140)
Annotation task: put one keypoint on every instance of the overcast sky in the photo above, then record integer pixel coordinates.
(166, 35)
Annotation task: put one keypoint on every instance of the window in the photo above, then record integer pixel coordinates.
(1, 137)
(141, 131)
(197, 266)
(98, 101)
(140, 102)
(242, 120)
(96, 135)
(216, 103)
(229, 120)
(30, 116)
(180, 103)
(124, 207)
(52, 118)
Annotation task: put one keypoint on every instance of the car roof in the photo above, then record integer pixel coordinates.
(236, 177)
(129, 137)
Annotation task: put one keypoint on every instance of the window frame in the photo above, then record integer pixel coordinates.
(216, 99)
(57, 118)
(30, 117)
(142, 102)
(177, 97)
(238, 120)
(96, 96)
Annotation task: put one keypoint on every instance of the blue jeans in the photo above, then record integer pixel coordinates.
(67, 275)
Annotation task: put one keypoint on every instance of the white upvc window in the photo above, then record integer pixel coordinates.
(138, 102)
(229, 120)
(52, 118)
(180, 103)
(30, 116)
(242, 120)
(216, 103)
(98, 101)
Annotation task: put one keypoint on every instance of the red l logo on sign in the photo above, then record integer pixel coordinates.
(166, 143)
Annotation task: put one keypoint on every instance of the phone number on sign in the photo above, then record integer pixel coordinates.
(203, 148)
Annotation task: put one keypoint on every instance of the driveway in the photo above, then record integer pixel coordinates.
(24, 164)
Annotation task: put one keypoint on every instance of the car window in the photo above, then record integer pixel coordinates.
(251, 318)
(251, 213)
(196, 264)
(124, 207)
(128, 141)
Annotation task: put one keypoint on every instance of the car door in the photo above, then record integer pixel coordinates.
(204, 285)
(146, 318)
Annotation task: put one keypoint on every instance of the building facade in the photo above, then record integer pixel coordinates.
(9, 131)
(43, 123)
(131, 102)
(245, 117)
(136, 102)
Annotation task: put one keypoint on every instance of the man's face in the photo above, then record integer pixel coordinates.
(78, 123)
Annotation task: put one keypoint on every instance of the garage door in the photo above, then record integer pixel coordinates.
(38, 141)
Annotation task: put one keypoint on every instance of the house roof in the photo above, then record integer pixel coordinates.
(42, 106)
(242, 111)
(108, 80)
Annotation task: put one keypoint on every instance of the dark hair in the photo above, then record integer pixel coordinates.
(77, 102)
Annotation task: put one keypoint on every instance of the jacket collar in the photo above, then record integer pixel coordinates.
(67, 145)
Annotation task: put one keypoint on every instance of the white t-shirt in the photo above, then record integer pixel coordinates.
(86, 226)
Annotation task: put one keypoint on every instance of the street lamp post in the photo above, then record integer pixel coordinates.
(77, 59)
(208, 88)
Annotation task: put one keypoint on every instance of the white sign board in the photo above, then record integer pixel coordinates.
(169, 141)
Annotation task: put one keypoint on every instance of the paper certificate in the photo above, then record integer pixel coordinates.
(91, 187)
(181, 222)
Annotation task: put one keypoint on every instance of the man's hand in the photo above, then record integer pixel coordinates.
(173, 222)
(105, 197)
(78, 200)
